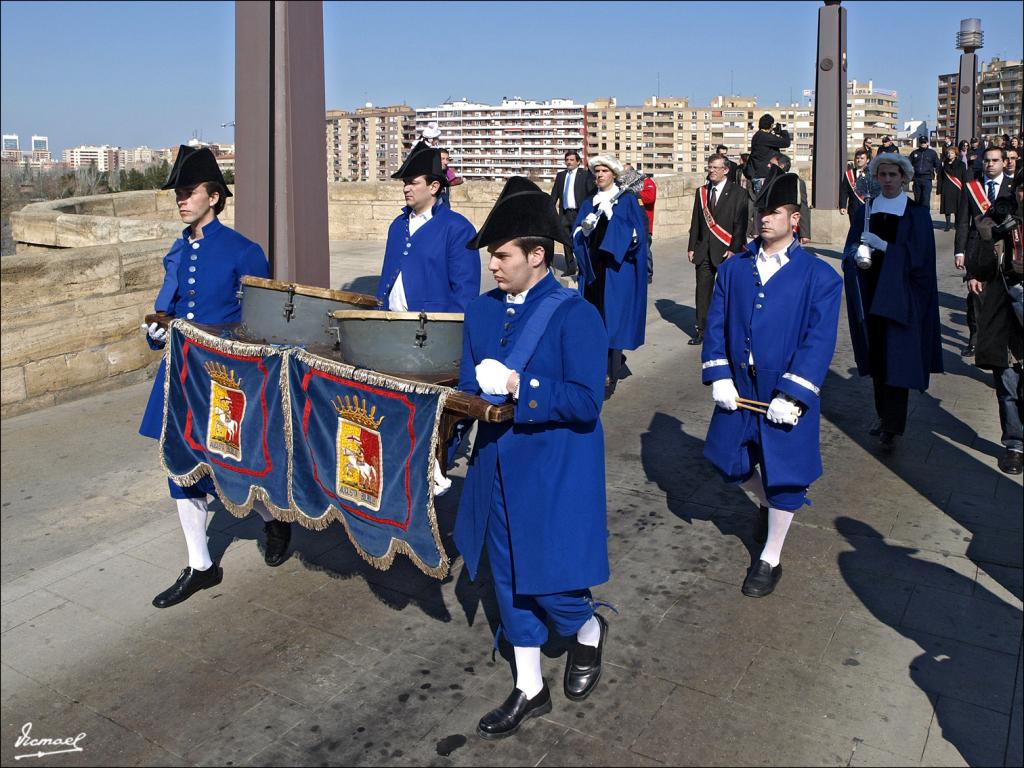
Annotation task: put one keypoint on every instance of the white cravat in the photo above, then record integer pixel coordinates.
(397, 301)
(518, 298)
(897, 206)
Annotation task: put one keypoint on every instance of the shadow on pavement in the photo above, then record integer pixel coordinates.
(681, 316)
(943, 666)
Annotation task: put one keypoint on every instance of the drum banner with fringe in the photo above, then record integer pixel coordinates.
(313, 439)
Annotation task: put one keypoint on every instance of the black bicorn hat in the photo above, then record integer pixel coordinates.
(522, 210)
(194, 165)
(780, 189)
(423, 160)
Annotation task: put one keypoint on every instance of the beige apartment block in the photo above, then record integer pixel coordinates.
(518, 137)
(369, 143)
(670, 135)
(999, 100)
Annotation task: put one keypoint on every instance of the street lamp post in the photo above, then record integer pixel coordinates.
(969, 39)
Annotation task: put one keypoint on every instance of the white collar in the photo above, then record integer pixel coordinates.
(894, 205)
(519, 298)
(998, 180)
(600, 197)
(426, 215)
(780, 255)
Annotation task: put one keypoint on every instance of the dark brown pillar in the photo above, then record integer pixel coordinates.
(281, 153)
(829, 106)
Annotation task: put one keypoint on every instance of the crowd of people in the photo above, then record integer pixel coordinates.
(767, 316)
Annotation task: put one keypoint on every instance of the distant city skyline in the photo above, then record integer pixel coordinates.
(167, 72)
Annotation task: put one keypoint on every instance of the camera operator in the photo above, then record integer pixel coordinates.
(988, 248)
(769, 139)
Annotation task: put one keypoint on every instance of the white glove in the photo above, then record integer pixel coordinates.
(872, 240)
(155, 332)
(441, 483)
(724, 394)
(606, 208)
(783, 411)
(588, 223)
(492, 377)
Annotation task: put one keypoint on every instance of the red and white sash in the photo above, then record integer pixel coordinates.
(978, 194)
(852, 181)
(954, 181)
(722, 234)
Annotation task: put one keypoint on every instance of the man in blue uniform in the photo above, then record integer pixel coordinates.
(535, 495)
(610, 244)
(770, 337)
(202, 273)
(926, 163)
(426, 265)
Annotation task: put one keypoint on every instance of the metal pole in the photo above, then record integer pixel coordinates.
(829, 149)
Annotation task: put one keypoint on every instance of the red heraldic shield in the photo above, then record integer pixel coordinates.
(227, 410)
(360, 472)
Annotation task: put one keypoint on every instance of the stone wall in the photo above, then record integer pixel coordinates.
(71, 321)
(87, 269)
(364, 210)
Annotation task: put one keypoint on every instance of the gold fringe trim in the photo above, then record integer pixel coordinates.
(292, 513)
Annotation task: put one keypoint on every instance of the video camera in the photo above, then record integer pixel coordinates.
(1002, 214)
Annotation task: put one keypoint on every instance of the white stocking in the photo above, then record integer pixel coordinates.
(192, 514)
(754, 485)
(261, 509)
(528, 677)
(778, 527)
(590, 633)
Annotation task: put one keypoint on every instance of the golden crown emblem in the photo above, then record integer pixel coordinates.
(220, 373)
(355, 411)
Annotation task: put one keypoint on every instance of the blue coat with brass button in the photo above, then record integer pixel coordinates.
(201, 280)
(439, 274)
(551, 455)
(790, 326)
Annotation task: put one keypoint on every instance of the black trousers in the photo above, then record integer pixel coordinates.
(890, 402)
(972, 316)
(923, 192)
(568, 220)
(706, 271)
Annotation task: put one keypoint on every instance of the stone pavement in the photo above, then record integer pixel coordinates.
(894, 636)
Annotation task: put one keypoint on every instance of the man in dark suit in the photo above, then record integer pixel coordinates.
(994, 189)
(734, 169)
(569, 196)
(717, 231)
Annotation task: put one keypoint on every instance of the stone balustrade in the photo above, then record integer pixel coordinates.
(86, 270)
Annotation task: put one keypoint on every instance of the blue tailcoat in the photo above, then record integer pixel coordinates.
(907, 296)
(439, 274)
(200, 283)
(790, 324)
(552, 454)
(625, 288)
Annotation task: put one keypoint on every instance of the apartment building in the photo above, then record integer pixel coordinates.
(670, 135)
(518, 137)
(103, 157)
(368, 144)
(1000, 87)
(870, 113)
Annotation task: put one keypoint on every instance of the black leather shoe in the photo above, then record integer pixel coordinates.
(761, 527)
(583, 666)
(968, 351)
(876, 429)
(1012, 462)
(506, 719)
(887, 441)
(696, 340)
(278, 533)
(761, 579)
(189, 582)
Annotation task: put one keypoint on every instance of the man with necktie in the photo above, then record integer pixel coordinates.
(994, 190)
(572, 186)
(717, 231)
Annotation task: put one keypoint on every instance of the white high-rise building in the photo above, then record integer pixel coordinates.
(104, 157)
(11, 149)
(518, 137)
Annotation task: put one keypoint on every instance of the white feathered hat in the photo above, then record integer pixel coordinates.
(608, 162)
(893, 158)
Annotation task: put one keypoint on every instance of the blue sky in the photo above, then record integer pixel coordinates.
(153, 73)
